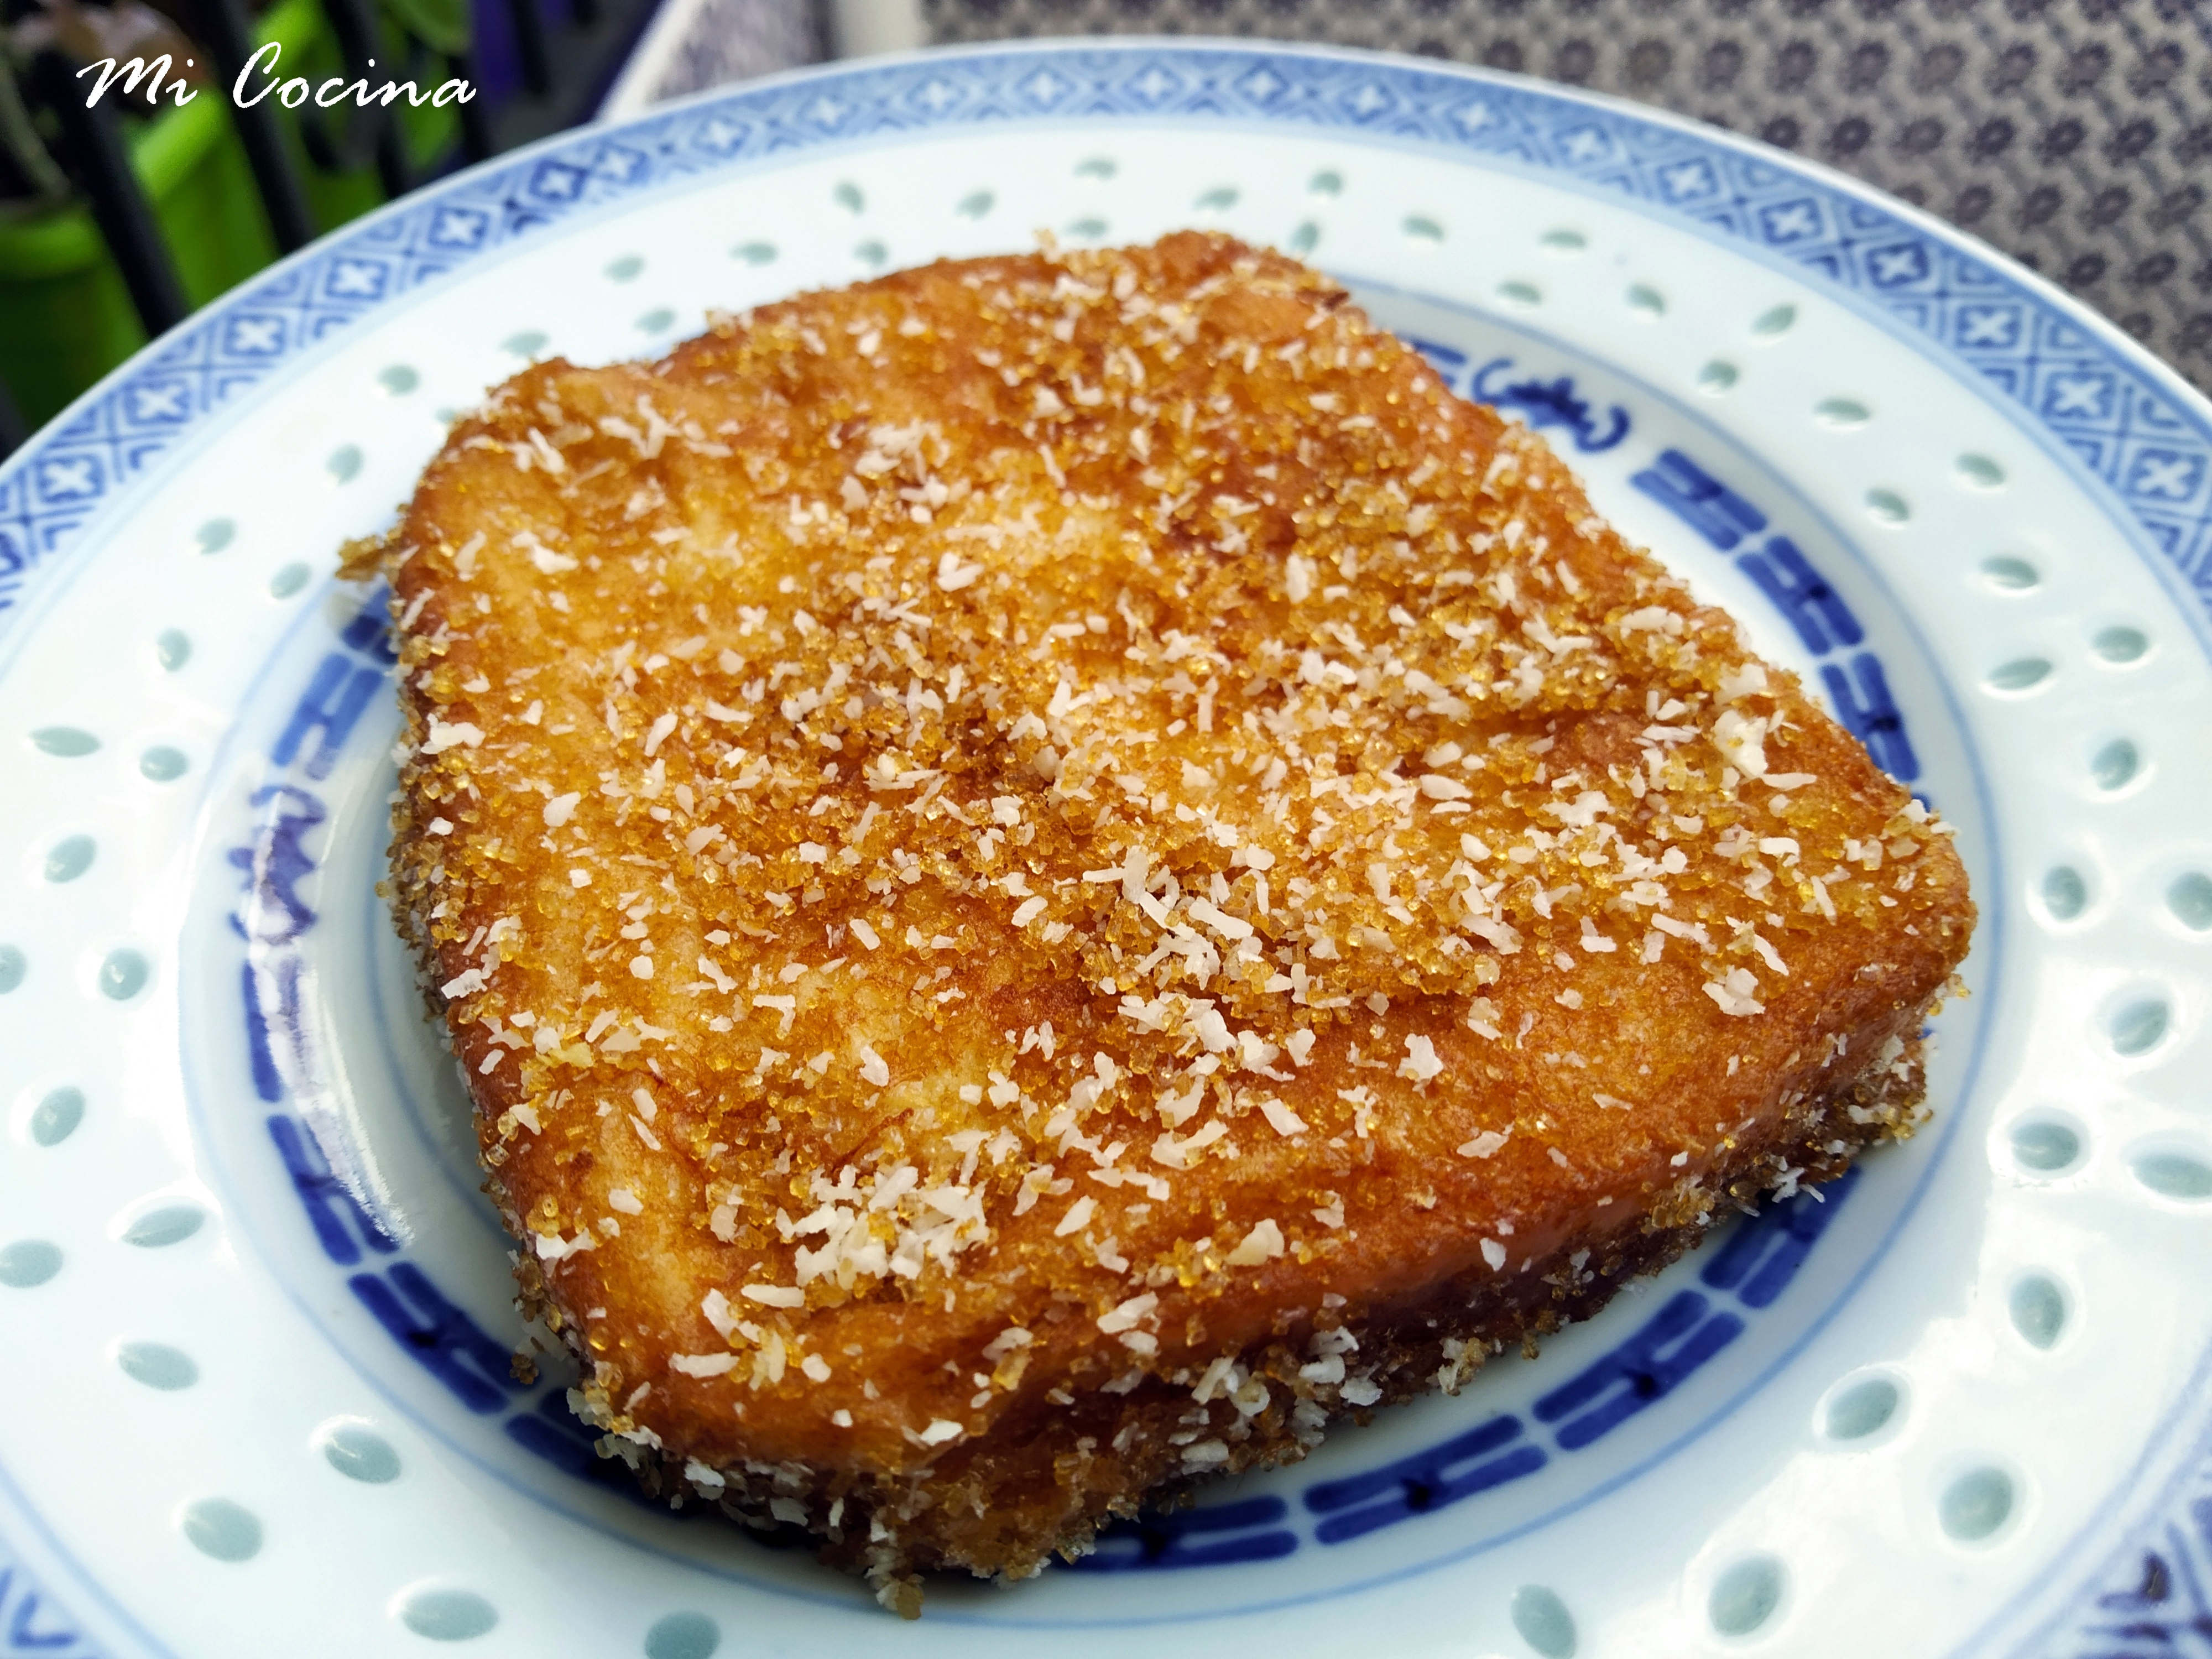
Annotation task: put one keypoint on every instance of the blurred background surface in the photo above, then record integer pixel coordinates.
(2074, 134)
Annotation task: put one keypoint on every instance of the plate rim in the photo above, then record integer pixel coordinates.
(36, 568)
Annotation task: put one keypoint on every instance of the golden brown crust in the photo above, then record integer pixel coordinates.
(1120, 825)
(1055, 1475)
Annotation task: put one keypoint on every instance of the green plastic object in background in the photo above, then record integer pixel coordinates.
(65, 317)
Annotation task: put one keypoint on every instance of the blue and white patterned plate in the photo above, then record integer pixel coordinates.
(258, 1397)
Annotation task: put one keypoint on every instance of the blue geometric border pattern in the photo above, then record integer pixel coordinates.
(2158, 1603)
(2132, 425)
(30, 1621)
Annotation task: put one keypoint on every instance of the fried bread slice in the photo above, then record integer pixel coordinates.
(1050, 870)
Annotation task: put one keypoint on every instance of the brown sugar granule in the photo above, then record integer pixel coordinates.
(1048, 872)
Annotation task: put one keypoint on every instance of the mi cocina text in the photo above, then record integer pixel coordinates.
(245, 93)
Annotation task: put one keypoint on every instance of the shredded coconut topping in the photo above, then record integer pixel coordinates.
(1060, 808)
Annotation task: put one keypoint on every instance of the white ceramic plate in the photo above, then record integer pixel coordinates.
(256, 1317)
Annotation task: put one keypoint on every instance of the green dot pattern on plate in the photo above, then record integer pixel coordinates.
(1746, 1595)
(527, 343)
(1842, 412)
(67, 741)
(13, 966)
(69, 858)
(1305, 238)
(1564, 240)
(399, 380)
(1778, 320)
(2120, 645)
(1216, 200)
(2065, 894)
(2115, 765)
(158, 1365)
(1863, 1409)
(1887, 506)
(1097, 166)
(2043, 1146)
(976, 205)
(2139, 1026)
(123, 973)
(626, 268)
(754, 253)
(1090, 229)
(2174, 1175)
(344, 464)
(29, 1263)
(2020, 674)
(56, 1116)
(1976, 1504)
(1422, 228)
(1980, 471)
(1718, 375)
(1517, 292)
(2038, 1307)
(216, 535)
(1647, 300)
(171, 1223)
(217, 1527)
(362, 1455)
(173, 649)
(162, 764)
(2011, 574)
(449, 1615)
(871, 253)
(849, 197)
(1327, 182)
(288, 580)
(1544, 1622)
(683, 1636)
(656, 321)
(2190, 898)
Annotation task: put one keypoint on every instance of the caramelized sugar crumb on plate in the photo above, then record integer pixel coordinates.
(1050, 871)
